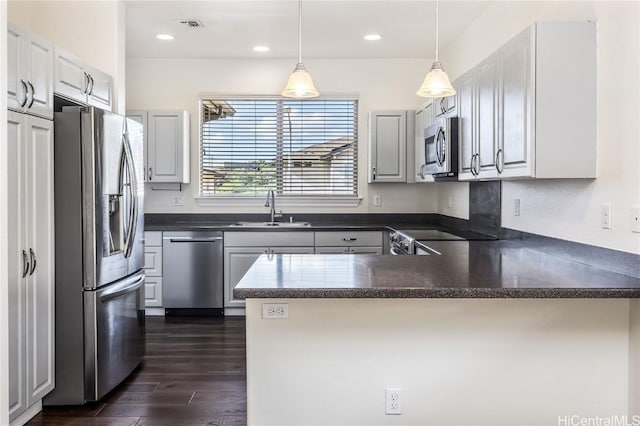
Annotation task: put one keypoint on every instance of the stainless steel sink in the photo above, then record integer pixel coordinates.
(270, 224)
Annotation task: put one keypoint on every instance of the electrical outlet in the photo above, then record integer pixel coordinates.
(178, 200)
(516, 207)
(377, 200)
(275, 310)
(605, 216)
(635, 219)
(393, 404)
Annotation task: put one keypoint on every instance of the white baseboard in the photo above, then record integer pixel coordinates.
(233, 312)
(154, 312)
(28, 415)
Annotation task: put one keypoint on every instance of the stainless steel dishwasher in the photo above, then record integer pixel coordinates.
(192, 280)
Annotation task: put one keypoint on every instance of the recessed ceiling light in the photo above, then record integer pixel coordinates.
(372, 37)
(261, 48)
(165, 37)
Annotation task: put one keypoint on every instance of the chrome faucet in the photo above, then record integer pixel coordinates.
(271, 202)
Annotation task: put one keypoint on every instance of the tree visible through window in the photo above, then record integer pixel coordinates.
(296, 147)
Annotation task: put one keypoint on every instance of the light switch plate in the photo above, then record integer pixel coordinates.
(605, 216)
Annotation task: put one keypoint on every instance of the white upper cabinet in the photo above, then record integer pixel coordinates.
(79, 82)
(547, 102)
(529, 109)
(477, 108)
(29, 73)
(466, 112)
(167, 145)
(389, 134)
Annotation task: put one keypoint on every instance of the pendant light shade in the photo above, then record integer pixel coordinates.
(300, 84)
(436, 83)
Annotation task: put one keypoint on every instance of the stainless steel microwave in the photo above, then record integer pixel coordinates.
(441, 148)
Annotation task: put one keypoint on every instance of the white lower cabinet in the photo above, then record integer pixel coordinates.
(238, 260)
(242, 249)
(153, 269)
(348, 250)
(153, 292)
(31, 263)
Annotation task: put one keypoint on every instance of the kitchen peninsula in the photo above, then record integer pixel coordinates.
(487, 333)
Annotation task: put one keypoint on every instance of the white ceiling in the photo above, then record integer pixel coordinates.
(331, 28)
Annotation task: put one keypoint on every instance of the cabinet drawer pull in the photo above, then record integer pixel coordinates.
(25, 264)
(33, 94)
(33, 261)
(347, 239)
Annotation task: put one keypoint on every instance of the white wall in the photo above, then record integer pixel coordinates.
(570, 209)
(457, 361)
(92, 30)
(380, 84)
(4, 288)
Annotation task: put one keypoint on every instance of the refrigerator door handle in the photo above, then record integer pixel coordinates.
(133, 186)
(127, 286)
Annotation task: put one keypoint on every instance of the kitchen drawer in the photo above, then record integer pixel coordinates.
(347, 238)
(365, 250)
(152, 292)
(153, 239)
(268, 239)
(153, 261)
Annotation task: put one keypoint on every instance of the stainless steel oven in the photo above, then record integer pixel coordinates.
(441, 147)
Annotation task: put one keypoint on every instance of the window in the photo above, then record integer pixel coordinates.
(296, 147)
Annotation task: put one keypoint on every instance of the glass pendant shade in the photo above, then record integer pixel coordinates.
(300, 84)
(436, 84)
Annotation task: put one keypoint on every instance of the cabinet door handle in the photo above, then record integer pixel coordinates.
(93, 83)
(499, 159)
(26, 93)
(374, 173)
(477, 164)
(442, 107)
(149, 174)
(33, 261)
(347, 239)
(87, 82)
(25, 264)
(473, 172)
(33, 94)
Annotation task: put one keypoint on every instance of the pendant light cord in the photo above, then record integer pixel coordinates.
(437, 25)
(299, 31)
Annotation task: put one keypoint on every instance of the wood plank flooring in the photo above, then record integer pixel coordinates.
(194, 373)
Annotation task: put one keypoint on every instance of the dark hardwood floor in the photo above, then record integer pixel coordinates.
(194, 373)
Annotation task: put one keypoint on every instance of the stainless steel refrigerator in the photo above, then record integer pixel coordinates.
(99, 193)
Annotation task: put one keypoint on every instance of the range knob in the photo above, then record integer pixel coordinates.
(393, 237)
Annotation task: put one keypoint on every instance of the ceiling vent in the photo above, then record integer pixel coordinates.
(192, 23)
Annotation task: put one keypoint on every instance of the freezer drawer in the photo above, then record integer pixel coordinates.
(114, 334)
(192, 271)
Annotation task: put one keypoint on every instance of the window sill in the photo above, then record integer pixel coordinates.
(281, 201)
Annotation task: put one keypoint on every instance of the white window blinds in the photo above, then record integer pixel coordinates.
(296, 147)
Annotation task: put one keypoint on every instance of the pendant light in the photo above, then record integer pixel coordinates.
(436, 83)
(300, 84)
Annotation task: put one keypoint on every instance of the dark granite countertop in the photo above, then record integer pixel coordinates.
(465, 269)
(227, 227)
